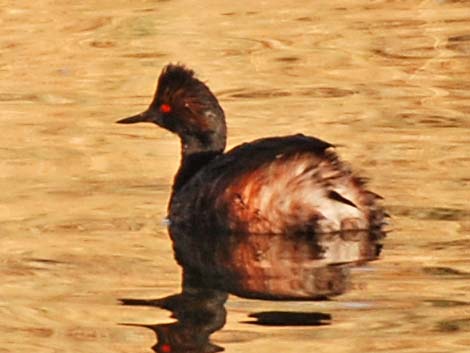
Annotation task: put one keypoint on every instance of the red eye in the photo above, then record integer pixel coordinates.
(165, 108)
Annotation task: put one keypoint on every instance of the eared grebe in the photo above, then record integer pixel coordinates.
(273, 185)
(293, 185)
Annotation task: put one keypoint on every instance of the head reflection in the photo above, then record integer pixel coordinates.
(272, 267)
(198, 312)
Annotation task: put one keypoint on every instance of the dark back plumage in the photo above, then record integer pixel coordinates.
(291, 184)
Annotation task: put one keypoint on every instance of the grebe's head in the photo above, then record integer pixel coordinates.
(185, 105)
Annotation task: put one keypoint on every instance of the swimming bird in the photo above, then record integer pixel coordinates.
(292, 184)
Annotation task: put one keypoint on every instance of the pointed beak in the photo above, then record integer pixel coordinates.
(145, 117)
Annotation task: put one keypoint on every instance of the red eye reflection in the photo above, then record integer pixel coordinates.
(166, 348)
(165, 108)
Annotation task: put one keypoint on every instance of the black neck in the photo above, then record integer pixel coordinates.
(190, 164)
(196, 152)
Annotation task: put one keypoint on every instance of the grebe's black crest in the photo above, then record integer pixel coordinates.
(184, 105)
(174, 78)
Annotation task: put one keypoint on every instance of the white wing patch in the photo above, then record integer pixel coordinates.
(294, 192)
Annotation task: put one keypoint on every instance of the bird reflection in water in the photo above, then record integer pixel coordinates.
(272, 267)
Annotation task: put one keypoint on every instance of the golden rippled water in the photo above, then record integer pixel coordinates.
(83, 199)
